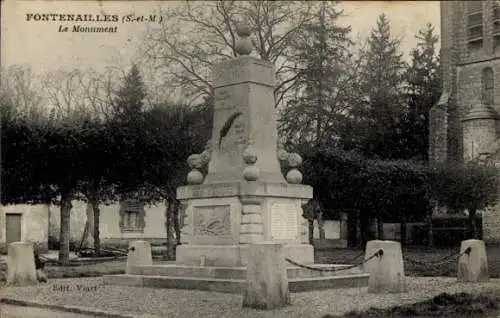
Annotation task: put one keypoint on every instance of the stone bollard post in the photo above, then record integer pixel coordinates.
(371, 248)
(473, 263)
(139, 254)
(267, 281)
(21, 264)
(386, 271)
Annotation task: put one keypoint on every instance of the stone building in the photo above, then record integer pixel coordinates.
(464, 123)
(119, 223)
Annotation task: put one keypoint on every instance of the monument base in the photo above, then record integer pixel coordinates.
(235, 255)
(234, 279)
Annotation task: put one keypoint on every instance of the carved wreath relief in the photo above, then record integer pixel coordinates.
(212, 220)
(234, 121)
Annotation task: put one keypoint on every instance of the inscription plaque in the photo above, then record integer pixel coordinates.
(212, 220)
(284, 223)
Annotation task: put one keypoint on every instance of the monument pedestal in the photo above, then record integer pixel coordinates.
(221, 219)
(234, 255)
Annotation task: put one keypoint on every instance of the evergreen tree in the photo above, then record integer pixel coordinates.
(128, 132)
(423, 91)
(382, 107)
(130, 97)
(321, 55)
(315, 117)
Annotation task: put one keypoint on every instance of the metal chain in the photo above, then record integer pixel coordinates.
(109, 249)
(95, 261)
(377, 254)
(441, 261)
(356, 257)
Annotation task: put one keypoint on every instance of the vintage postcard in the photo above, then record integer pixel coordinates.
(248, 158)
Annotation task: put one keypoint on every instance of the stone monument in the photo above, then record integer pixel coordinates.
(244, 197)
(244, 200)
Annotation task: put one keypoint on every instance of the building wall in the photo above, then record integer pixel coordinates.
(491, 224)
(462, 69)
(34, 224)
(469, 68)
(109, 228)
(332, 230)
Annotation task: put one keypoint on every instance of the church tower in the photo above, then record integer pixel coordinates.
(464, 124)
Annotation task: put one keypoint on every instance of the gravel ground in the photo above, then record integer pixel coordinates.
(92, 293)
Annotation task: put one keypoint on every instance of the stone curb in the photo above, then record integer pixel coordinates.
(73, 309)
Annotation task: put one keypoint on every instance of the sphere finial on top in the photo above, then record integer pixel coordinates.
(243, 45)
(242, 29)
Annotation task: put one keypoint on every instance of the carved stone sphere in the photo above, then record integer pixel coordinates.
(243, 29)
(251, 173)
(294, 160)
(282, 155)
(205, 156)
(294, 176)
(244, 46)
(195, 177)
(250, 155)
(195, 161)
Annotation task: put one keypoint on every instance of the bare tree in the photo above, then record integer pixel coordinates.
(77, 92)
(64, 93)
(21, 89)
(194, 36)
(96, 90)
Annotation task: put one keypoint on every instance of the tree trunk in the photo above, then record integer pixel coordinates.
(177, 228)
(321, 227)
(97, 214)
(359, 235)
(430, 231)
(403, 230)
(472, 224)
(49, 222)
(366, 233)
(64, 235)
(170, 205)
(380, 228)
(88, 237)
(311, 230)
(171, 247)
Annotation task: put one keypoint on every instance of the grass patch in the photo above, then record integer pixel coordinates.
(443, 305)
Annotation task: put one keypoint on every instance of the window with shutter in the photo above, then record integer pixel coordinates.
(474, 25)
(132, 216)
(496, 25)
(488, 86)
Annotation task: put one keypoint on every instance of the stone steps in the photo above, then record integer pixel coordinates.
(196, 283)
(175, 270)
(232, 285)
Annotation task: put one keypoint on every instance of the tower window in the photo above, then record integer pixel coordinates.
(488, 86)
(496, 25)
(475, 25)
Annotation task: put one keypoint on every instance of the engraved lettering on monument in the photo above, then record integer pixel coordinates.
(212, 220)
(223, 99)
(284, 223)
(239, 131)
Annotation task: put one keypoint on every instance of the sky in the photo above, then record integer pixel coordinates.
(39, 44)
